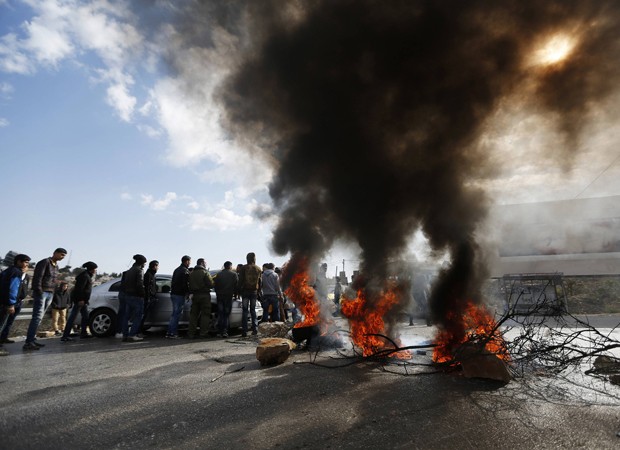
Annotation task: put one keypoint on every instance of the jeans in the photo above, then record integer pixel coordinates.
(177, 307)
(42, 301)
(122, 306)
(10, 318)
(248, 301)
(133, 314)
(265, 306)
(271, 300)
(4, 319)
(148, 305)
(83, 310)
(224, 307)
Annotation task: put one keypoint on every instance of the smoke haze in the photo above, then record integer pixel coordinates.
(371, 113)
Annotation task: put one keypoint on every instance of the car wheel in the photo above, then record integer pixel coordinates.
(102, 322)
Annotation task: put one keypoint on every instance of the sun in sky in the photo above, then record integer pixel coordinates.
(554, 50)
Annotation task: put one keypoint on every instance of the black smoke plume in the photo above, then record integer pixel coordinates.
(373, 111)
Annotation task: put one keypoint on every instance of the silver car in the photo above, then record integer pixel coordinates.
(103, 308)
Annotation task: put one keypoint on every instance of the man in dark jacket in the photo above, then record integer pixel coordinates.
(249, 285)
(200, 285)
(11, 294)
(150, 289)
(225, 287)
(43, 286)
(80, 296)
(179, 292)
(134, 299)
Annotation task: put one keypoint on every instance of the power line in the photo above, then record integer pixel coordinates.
(598, 176)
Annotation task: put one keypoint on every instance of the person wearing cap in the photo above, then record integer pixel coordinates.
(134, 299)
(179, 292)
(225, 286)
(43, 287)
(23, 292)
(80, 295)
(12, 292)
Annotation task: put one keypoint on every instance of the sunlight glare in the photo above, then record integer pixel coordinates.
(555, 50)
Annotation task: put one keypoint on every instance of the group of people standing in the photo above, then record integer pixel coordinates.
(45, 288)
(137, 294)
(247, 282)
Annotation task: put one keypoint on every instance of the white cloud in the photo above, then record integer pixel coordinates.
(12, 57)
(119, 98)
(159, 204)
(149, 131)
(48, 39)
(146, 109)
(187, 111)
(222, 220)
(6, 89)
(61, 30)
(69, 29)
(147, 199)
(199, 216)
(126, 196)
(3, 122)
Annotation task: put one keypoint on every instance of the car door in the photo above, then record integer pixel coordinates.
(161, 312)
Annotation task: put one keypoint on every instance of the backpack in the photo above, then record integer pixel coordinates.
(4, 282)
(122, 287)
(251, 277)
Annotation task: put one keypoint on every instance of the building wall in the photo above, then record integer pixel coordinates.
(577, 237)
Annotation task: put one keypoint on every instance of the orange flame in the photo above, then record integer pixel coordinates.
(302, 295)
(475, 324)
(365, 322)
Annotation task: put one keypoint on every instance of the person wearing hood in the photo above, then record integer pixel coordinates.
(134, 299)
(12, 292)
(200, 285)
(80, 296)
(272, 293)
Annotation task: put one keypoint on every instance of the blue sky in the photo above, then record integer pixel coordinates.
(90, 161)
(104, 153)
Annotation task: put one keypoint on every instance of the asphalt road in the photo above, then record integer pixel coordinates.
(204, 394)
